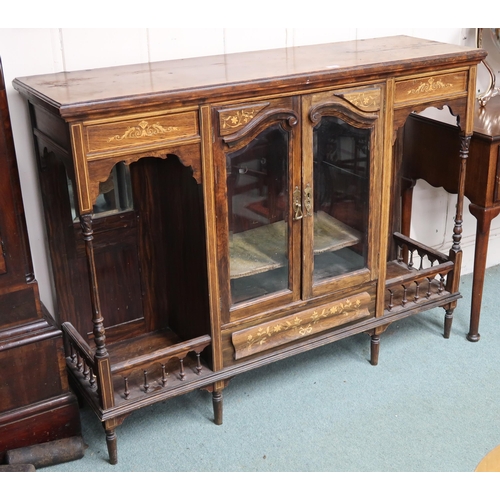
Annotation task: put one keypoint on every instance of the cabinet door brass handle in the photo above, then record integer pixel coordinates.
(297, 204)
(308, 201)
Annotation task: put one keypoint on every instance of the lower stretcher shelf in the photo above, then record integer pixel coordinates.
(140, 367)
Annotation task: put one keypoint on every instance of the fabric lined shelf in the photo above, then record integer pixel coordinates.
(264, 248)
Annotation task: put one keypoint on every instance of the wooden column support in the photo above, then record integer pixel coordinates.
(97, 319)
(453, 279)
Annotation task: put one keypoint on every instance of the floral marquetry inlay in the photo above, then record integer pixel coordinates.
(143, 129)
(234, 119)
(253, 340)
(430, 86)
(367, 100)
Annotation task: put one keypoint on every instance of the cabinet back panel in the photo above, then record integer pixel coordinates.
(36, 360)
(169, 206)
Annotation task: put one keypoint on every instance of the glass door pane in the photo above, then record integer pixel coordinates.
(341, 190)
(257, 186)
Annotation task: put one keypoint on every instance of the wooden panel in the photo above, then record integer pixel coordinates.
(274, 333)
(430, 87)
(48, 420)
(23, 367)
(171, 238)
(117, 269)
(431, 152)
(427, 144)
(140, 131)
(18, 306)
(52, 126)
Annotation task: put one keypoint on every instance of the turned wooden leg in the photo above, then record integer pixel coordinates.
(484, 217)
(448, 320)
(374, 349)
(375, 343)
(217, 402)
(112, 447)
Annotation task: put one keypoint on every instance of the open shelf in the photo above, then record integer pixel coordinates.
(139, 366)
(145, 344)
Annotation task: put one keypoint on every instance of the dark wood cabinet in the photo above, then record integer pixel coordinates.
(36, 405)
(208, 216)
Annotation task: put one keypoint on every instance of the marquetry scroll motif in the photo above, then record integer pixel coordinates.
(432, 86)
(300, 325)
(143, 129)
(367, 99)
(233, 119)
(140, 131)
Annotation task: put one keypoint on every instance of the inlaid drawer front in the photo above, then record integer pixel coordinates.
(430, 87)
(140, 131)
(275, 333)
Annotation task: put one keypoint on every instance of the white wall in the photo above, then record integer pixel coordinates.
(28, 51)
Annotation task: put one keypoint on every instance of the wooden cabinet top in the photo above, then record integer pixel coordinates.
(487, 119)
(79, 94)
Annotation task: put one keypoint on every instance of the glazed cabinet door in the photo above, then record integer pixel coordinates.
(341, 152)
(258, 176)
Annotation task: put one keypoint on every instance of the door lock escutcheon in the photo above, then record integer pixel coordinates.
(297, 204)
(298, 213)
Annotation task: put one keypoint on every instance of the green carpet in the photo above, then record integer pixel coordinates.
(430, 405)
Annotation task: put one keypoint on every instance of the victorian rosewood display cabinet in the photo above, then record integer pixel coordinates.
(208, 216)
(36, 405)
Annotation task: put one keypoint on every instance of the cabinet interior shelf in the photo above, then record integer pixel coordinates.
(144, 364)
(264, 248)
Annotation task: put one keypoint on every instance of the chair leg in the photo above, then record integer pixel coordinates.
(217, 403)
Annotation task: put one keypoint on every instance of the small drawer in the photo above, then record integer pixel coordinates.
(430, 87)
(142, 131)
(302, 324)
